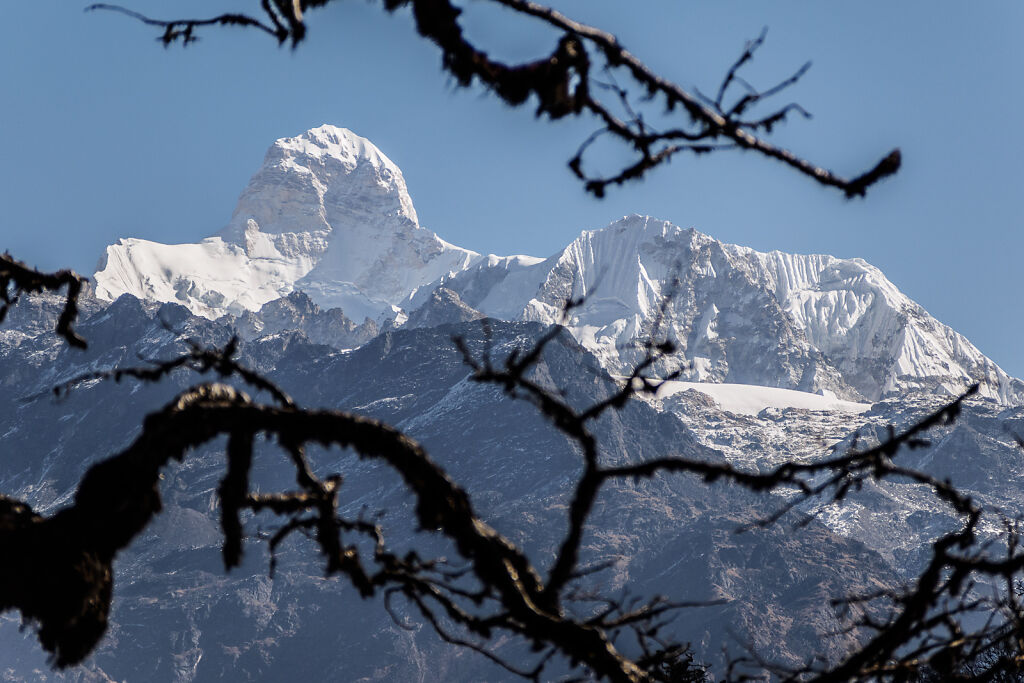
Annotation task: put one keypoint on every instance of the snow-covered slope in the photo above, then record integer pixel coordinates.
(881, 341)
(210, 278)
(327, 214)
(330, 215)
(807, 322)
(750, 399)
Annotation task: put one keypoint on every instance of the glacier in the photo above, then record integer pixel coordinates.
(750, 399)
(328, 214)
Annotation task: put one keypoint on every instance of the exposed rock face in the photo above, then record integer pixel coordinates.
(442, 306)
(298, 312)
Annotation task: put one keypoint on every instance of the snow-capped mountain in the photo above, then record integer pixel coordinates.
(808, 322)
(329, 214)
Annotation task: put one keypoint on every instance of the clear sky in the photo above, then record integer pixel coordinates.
(105, 134)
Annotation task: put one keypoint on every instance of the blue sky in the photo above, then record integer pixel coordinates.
(105, 134)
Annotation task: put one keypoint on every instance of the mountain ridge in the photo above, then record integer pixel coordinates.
(328, 214)
(296, 227)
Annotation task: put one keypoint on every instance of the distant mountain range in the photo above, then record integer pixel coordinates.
(328, 214)
(340, 296)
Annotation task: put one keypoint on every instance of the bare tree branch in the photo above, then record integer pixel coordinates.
(562, 84)
(16, 279)
(184, 29)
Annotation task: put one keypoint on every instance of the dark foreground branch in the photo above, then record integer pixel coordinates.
(61, 574)
(924, 630)
(563, 83)
(16, 279)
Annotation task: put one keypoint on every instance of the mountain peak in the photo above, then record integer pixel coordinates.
(312, 182)
(327, 213)
(337, 142)
(811, 323)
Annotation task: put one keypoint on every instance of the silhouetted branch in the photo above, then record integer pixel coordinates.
(199, 359)
(16, 279)
(118, 497)
(562, 85)
(184, 29)
(514, 380)
(924, 630)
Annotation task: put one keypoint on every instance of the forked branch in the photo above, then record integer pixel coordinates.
(562, 83)
(16, 279)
